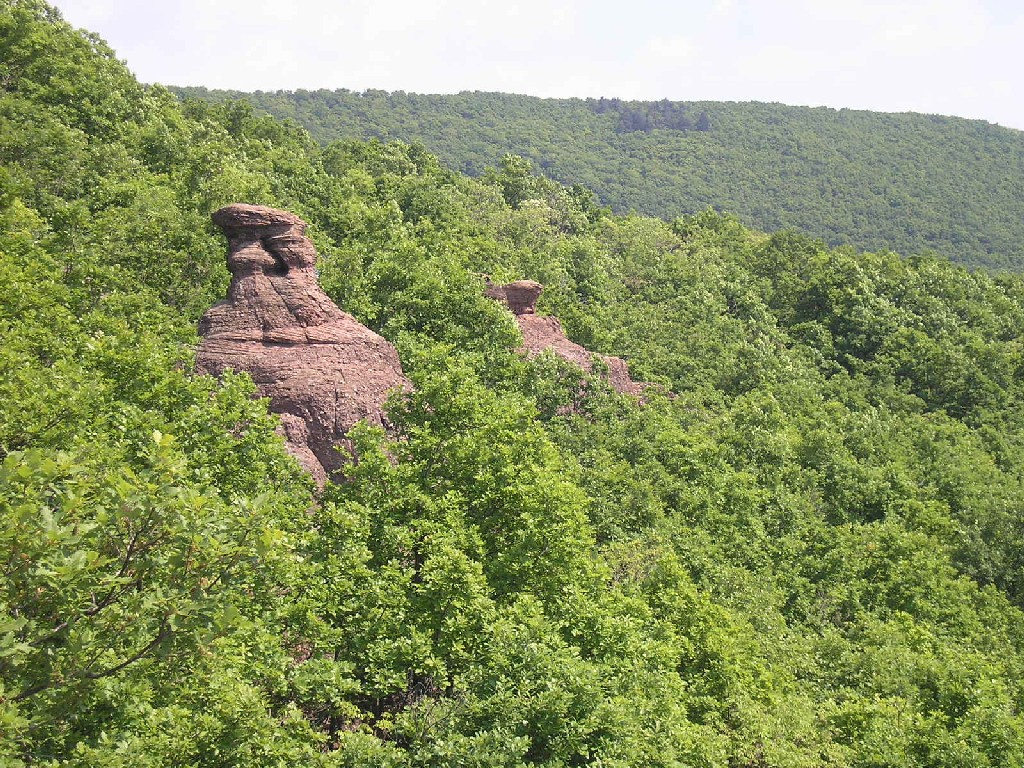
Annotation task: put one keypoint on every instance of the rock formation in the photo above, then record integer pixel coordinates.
(321, 369)
(540, 333)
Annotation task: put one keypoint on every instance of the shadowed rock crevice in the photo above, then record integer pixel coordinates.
(322, 370)
(541, 332)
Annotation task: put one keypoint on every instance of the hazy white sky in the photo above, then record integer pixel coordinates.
(953, 57)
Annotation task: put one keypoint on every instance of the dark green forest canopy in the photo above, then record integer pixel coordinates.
(907, 182)
(809, 555)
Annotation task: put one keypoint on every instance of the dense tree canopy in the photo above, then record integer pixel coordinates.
(804, 548)
(907, 182)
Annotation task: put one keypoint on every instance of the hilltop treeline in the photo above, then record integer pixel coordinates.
(808, 554)
(908, 182)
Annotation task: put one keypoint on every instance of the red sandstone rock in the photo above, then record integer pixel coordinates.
(321, 369)
(540, 333)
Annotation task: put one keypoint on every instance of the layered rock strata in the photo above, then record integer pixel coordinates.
(321, 369)
(542, 332)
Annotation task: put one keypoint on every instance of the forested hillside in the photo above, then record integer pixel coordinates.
(806, 552)
(906, 182)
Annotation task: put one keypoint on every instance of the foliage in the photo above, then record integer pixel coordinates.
(907, 182)
(801, 548)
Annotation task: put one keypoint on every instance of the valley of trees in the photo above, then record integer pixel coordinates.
(810, 553)
(908, 182)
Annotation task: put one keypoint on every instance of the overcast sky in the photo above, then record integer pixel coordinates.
(952, 57)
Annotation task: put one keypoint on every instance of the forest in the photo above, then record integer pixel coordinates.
(912, 183)
(802, 548)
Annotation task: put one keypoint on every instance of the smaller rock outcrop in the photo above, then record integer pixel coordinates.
(322, 370)
(542, 332)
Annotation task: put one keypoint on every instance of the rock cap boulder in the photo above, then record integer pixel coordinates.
(542, 332)
(520, 296)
